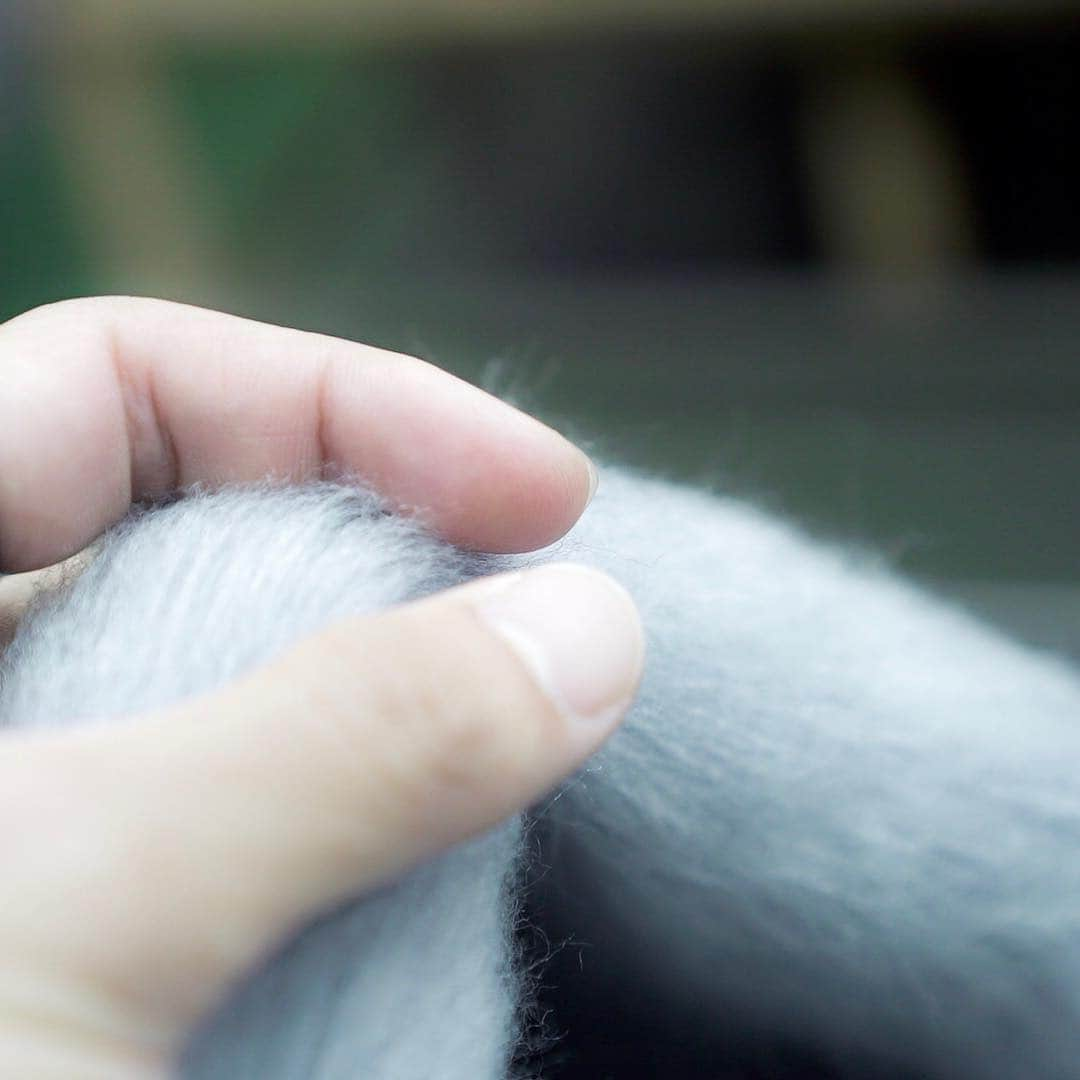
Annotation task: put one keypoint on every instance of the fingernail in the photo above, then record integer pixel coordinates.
(577, 632)
(594, 480)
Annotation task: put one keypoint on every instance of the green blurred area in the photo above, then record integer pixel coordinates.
(41, 257)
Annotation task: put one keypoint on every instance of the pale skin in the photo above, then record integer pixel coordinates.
(359, 769)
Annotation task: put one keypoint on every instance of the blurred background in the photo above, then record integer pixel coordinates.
(825, 253)
(822, 253)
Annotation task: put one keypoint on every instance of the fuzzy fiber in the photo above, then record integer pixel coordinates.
(840, 828)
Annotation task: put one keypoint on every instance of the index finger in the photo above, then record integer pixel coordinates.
(107, 400)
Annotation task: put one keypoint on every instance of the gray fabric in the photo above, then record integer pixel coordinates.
(840, 815)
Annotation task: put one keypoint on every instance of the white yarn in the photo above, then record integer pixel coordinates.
(841, 825)
(414, 983)
(842, 817)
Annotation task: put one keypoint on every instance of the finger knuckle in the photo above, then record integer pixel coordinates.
(470, 753)
(450, 741)
(437, 724)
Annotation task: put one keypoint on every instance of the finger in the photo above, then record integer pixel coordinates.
(110, 399)
(195, 839)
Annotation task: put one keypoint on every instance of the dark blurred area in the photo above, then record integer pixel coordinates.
(822, 253)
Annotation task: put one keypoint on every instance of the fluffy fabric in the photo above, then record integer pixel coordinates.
(416, 982)
(839, 830)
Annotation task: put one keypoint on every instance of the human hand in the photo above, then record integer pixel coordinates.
(381, 740)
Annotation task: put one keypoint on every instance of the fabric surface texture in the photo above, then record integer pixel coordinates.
(838, 834)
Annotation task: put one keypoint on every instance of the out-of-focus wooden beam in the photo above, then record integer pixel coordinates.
(148, 208)
(885, 180)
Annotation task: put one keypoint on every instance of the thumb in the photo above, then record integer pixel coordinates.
(149, 863)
